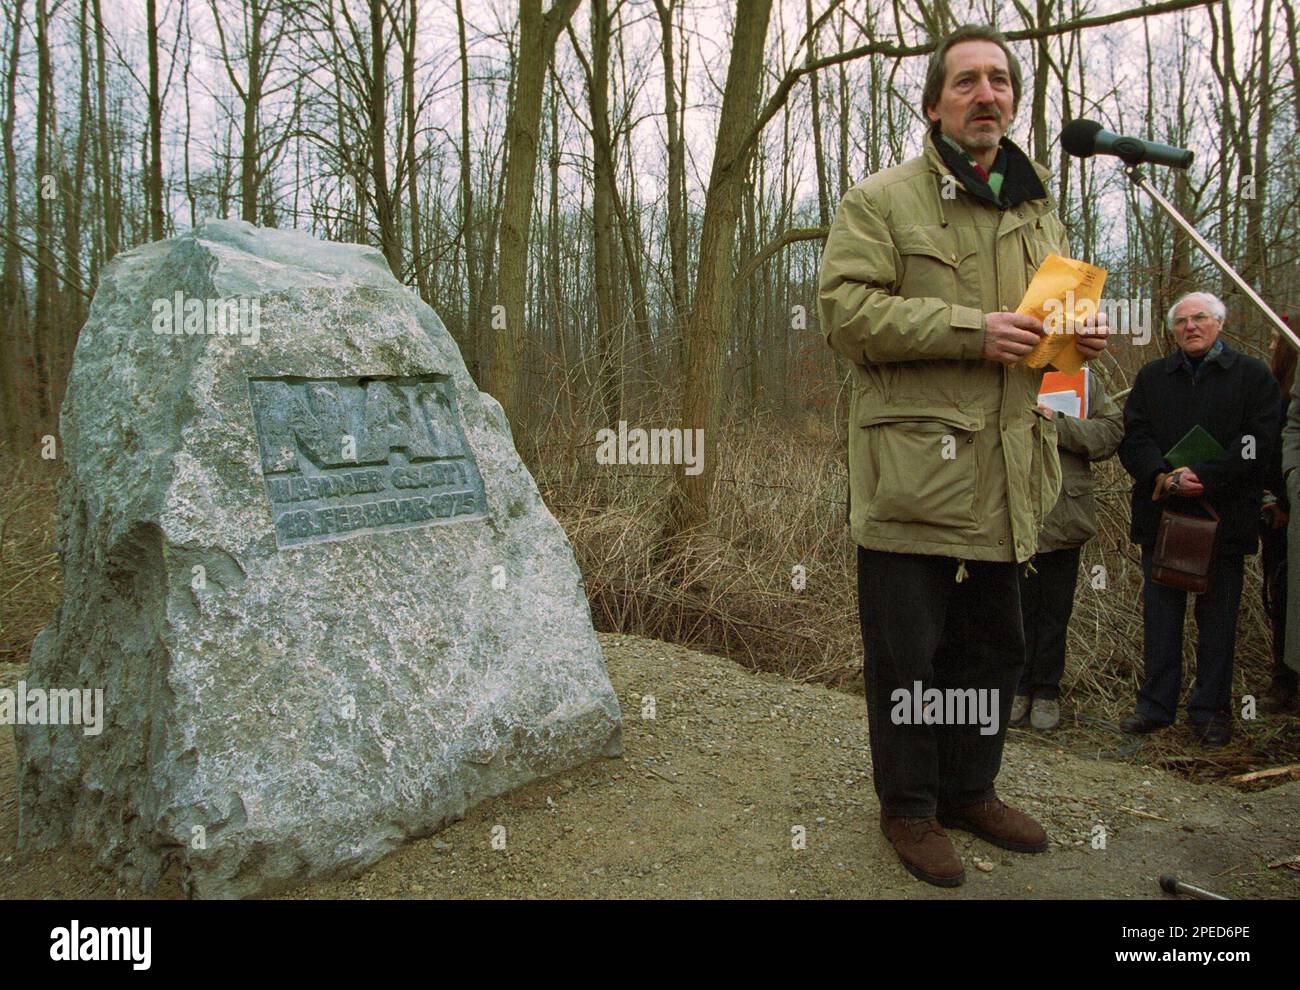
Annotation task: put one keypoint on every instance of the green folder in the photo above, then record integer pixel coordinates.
(1196, 446)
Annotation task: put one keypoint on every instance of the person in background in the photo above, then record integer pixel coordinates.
(1047, 587)
(1274, 514)
(1202, 382)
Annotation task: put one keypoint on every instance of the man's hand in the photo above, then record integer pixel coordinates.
(1047, 412)
(1009, 337)
(1090, 335)
(1185, 484)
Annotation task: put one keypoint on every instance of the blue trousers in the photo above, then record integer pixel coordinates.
(1163, 610)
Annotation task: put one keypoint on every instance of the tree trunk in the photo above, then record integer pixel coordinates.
(469, 343)
(1293, 52)
(610, 361)
(153, 179)
(556, 300)
(537, 36)
(819, 150)
(74, 189)
(104, 164)
(749, 311)
(412, 167)
(844, 115)
(1042, 68)
(676, 206)
(709, 322)
(248, 163)
(1255, 269)
(630, 235)
(15, 359)
(389, 238)
(46, 322)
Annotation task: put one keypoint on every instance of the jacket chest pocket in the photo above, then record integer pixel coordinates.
(1039, 243)
(937, 263)
(925, 468)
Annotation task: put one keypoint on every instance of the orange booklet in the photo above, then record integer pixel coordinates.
(1068, 393)
(1063, 292)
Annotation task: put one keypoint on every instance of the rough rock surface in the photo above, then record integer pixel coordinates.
(326, 605)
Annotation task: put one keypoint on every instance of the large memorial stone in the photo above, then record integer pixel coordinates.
(321, 594)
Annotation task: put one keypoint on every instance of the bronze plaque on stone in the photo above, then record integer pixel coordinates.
(348, 456)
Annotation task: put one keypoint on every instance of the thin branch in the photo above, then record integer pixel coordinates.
(773, 246)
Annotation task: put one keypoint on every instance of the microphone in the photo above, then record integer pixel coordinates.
(1085, 138)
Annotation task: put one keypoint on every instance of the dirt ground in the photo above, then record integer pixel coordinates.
(710, 793)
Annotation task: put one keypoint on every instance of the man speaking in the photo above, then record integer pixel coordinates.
(951, 470)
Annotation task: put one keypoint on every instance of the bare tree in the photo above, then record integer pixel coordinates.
(537, 37)
(469, 244)
(15, 356)
(676, 205)
(46, 323)
(265, 27)
(153, 180)
(710, 312)
(418, 262)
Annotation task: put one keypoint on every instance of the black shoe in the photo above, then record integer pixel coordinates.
(1214, 734)
(1141, 725)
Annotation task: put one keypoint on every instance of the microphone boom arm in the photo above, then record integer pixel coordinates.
(1136, 177)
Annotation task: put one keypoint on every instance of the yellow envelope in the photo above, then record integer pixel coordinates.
(1062, 293)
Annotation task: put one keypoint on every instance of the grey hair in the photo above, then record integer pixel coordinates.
(1216, 307)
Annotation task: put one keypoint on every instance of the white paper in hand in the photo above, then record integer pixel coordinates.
(1066, 402)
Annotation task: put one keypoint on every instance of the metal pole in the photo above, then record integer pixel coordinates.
(1138, 179)
(1172, 885)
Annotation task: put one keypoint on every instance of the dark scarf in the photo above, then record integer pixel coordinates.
(1020, 183)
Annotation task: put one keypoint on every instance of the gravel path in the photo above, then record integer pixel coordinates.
(712, 793)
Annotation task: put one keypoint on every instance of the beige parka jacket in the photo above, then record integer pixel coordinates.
(946, 453)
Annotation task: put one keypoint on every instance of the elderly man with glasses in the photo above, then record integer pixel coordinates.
(1234, 398)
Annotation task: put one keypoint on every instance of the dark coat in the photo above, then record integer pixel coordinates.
(1291, 461)
(1236, 399)
(1273, 480)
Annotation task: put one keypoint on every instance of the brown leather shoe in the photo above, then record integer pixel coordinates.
(924, 848)
(999, 824)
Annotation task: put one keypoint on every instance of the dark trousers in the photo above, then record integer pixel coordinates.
(920, 624)
(1046, 604)
(1273, 593)
(1163, 609)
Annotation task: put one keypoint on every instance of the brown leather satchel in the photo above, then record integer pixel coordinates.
(1184, 551)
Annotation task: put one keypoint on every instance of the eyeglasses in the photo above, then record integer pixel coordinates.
(1198, 318)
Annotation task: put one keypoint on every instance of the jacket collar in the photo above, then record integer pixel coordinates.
(1220, 354)
(1022, 179)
